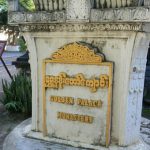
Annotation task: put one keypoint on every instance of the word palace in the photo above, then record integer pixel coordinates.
(78, 101)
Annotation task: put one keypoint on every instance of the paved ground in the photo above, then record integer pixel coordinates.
(7, 123)
(10, 56)
(17, 141)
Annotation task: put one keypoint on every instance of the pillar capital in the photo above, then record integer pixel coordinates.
(78, 10)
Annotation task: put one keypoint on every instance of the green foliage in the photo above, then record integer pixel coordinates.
(3, 18)
(17, 94)
(22, 44)
(28, 4)
(3, 12)
(3, 5)
(146, 113)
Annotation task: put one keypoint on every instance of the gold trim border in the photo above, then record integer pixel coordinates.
(108, 120)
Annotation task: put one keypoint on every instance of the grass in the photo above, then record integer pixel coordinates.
(146, 113)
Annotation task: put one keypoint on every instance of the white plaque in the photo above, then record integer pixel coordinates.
(77, 89)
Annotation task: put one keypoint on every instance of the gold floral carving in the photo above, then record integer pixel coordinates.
(77, 54)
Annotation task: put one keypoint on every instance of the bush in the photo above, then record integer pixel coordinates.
(3, 18)
(17, 94)
(27, 4)
(22, 44)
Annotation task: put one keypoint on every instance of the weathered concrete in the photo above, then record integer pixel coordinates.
(145, 130)
(16, 140)
(8, 121)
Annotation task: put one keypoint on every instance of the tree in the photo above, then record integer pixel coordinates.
(3, 5)
(27, 4)
(3, 12)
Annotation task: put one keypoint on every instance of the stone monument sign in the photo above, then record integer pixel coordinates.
(77, 92)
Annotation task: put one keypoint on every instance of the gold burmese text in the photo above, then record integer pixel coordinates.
(58, 82)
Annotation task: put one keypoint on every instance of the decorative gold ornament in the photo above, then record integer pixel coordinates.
(77, 54)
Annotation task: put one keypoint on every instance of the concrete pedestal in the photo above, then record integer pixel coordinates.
(17, 140)
(122, 35)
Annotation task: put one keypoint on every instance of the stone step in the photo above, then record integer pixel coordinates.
(18, 140)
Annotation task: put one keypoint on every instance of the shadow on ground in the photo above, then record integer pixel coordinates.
(8, 122)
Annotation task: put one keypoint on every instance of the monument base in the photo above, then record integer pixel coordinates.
(17, 140)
